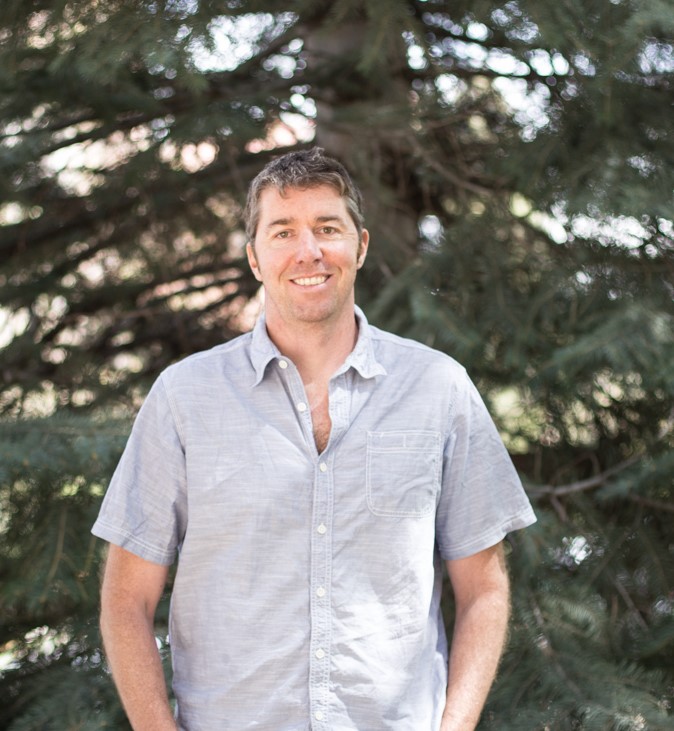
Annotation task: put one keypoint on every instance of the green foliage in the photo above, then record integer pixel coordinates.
(72, 695)
(517, 161)
(52, 474)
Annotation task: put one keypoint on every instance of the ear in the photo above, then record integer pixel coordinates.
(252, 261)
(362, 247)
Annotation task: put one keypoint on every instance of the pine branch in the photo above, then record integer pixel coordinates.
(547, 648)
(651, 503)
(583, 485)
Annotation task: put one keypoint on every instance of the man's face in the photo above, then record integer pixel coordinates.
(306, 254)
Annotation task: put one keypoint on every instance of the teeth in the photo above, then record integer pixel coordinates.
(308, 281)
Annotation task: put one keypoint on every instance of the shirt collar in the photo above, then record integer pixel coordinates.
(362, 358)
(262, 349)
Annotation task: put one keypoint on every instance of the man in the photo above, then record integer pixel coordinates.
(312, 476)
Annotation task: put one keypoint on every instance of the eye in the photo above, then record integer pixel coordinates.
(328, 230)
(283, 234)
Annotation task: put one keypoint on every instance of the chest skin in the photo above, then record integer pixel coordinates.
(320, 420)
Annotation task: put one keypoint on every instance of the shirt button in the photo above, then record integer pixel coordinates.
(320, 654)
(318, 715)
(283, 364)
(321, 529)
(323, 467)
(301, 406)
(320, 591)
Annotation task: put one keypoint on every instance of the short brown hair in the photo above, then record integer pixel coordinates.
(302, 169)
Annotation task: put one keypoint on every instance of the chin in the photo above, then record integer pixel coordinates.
(314, 314)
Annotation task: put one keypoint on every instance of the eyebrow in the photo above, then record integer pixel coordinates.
(319, 219)
(279, 222)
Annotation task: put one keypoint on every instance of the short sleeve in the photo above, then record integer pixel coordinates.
(144, 509)
(482, 498)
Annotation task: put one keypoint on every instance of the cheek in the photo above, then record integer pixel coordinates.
(269, 265)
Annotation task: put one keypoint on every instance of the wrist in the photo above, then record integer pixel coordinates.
(452, 722)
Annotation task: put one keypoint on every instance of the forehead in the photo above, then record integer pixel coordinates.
(291, 203)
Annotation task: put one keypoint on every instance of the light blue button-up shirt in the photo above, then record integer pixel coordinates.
(307, 593)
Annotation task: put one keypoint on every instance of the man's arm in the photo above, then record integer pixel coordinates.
(481, 592)
(131, 591)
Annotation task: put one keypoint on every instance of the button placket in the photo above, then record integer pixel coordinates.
(298, 399)
(321, 546)
(321, 557)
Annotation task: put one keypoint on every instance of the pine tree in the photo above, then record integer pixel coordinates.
(517, 162)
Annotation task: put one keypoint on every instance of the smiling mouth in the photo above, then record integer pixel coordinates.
(310, 281)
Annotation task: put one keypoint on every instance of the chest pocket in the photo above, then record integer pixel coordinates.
(402, 473)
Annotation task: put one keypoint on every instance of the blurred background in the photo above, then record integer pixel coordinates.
(517, 161)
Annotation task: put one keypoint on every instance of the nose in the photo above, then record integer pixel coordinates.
(308, 247)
